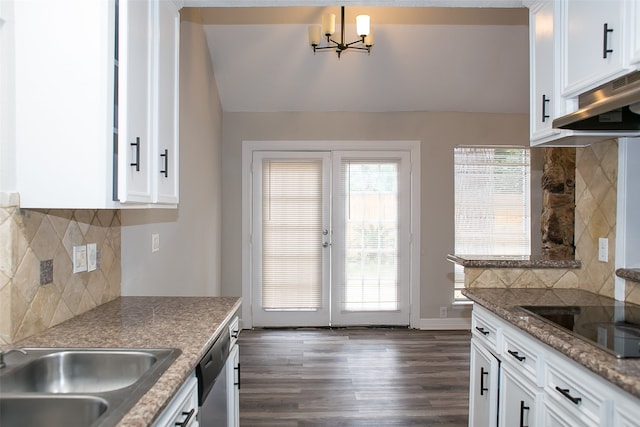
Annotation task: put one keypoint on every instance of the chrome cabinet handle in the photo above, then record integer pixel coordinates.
(605, 40)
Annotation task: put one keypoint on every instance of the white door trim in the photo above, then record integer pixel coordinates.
(248, 147)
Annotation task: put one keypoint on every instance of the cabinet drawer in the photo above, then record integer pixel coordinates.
(183, 408)
(578, 392)
(524, 354)
(485, 327)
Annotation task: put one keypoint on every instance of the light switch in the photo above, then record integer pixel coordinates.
(603, 249)
(155, 242)
(92, 258)
(79, 258)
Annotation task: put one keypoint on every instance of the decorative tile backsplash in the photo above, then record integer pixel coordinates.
(36, 246)
(596, 200)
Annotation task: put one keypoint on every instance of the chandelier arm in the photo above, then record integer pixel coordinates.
(354, 42)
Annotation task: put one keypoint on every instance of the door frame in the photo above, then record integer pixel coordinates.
(412, 146)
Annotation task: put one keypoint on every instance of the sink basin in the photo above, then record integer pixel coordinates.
(77, 387)
(34, 411)
(79, 371)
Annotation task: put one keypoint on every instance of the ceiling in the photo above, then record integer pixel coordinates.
(424, 59)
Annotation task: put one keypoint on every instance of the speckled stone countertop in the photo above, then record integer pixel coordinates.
(505, 303)
(512, 261)
(632, 274)
(188, 323)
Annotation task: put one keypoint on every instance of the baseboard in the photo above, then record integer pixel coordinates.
(454, 323)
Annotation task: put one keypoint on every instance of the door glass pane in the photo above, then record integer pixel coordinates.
(292, 234)
(370, 279)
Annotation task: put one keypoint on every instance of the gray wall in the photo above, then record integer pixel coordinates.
(439, 133)
(188, 262)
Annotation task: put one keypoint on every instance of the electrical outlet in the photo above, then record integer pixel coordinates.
(92, 257)
(603, 249)
(79, 258)
(443, 312)
(155, 242)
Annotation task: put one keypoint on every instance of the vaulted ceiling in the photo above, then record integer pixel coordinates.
(424, 59)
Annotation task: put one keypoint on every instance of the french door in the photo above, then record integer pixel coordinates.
(330, 238)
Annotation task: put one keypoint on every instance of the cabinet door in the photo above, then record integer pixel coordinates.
(518, 402)
(134, 91)
(483, 387)
(233, 390)
(543, 72)
(633, 27)
(166, 104)
(592, 42)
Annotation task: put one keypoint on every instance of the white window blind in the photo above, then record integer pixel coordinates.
(492, 203)
(370, 279)
(292, 235)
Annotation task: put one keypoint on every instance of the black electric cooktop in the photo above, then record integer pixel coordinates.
(615, 328)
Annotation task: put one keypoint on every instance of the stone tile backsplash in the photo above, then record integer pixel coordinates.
(596, 178)
(35, 244)
(595, 214)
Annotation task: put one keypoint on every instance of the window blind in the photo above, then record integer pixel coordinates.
(492, 203)
(370, 279)
(292, 235)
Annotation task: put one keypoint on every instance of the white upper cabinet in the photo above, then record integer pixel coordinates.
(135, 53)
(166, 113)
(576, 45)
(633, 27)
(544, 96)
(96, 107)
(592, 36)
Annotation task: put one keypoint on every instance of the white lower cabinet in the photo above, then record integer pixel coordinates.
(483, 387)
(182, 411)
(535, 385)
(233, 389)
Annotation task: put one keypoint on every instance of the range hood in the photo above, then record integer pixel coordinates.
(613, 107)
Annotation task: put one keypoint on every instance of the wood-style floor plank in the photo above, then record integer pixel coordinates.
(354, 377)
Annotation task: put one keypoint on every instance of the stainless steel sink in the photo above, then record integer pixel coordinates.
(68, 411)
(77, 387)
(79, 371)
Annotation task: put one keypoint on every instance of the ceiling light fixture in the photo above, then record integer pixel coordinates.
(328, 27)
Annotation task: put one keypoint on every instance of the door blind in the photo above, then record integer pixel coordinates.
(292, 235)
(370, 279)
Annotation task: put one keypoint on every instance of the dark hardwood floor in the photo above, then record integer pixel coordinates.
(354, 377)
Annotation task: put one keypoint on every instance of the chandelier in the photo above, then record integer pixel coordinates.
(328, 27)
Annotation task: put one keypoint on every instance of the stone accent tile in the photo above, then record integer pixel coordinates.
(27, 279)
(632, 292)
(509, 276)
(60, 219)
(61, 314)
(569, 280)
(28, 237)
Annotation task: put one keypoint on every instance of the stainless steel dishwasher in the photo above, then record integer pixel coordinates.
(218, 376)
(213, 384)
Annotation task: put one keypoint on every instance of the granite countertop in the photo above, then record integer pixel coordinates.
(624, 373)
(632, 274)
(188, 323)
(512, 261)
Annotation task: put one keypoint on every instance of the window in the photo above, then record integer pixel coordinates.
(492, 204)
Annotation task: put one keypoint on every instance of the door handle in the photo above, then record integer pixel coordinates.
(325, 244)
